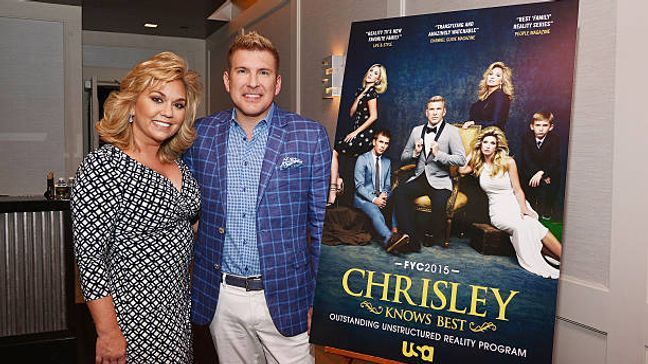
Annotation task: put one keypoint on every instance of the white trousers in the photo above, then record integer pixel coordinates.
(243, 331)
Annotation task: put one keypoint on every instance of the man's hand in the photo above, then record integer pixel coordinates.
(111, 348)
(547, 180)
(309, 318)
(418, 147)
(467, 124)
(381, 200)
(535, 180)
(434, 148)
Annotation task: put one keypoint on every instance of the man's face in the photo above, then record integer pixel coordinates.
(435, 112)
(380, 145)
(252, 83)
(541, 128)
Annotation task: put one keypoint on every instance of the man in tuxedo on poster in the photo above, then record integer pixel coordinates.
(433, 147)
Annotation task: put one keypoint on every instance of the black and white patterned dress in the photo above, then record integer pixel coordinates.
(133, 241)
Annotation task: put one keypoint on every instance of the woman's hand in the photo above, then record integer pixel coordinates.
(360, 95)
(111, 348)
(468, 124)
(524, 211)
(350, 136)
(535, 180)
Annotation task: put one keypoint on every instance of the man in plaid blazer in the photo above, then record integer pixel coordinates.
(264, 176)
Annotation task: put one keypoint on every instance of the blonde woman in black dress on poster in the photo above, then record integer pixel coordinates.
(131, 212)
(363, 112)
(495, 94)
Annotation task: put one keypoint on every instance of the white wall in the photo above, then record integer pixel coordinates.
(109, 56)
(602, 310)
(277, 20)
(25, 167)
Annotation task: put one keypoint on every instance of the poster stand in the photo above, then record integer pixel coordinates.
(351, 355)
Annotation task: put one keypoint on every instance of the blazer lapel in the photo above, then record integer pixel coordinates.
(372, 167)
(273, 151)
(218, 153)
(441, 140)
(383, 170)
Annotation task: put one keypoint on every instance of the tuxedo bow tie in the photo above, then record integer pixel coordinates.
(429, 130)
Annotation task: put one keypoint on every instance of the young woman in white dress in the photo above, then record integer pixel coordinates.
(508, 209)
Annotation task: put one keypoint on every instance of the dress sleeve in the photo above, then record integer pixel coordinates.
(94, 203)
(500, 109)
(371, 93)
(358, 91)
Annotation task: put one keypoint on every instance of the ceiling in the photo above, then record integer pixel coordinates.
(184, 18)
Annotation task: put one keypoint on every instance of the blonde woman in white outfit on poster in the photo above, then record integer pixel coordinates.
(508, 209)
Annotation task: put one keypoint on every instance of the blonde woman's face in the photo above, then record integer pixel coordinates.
(159, 113)
(373, 75)
(494, 78)
(488, 145)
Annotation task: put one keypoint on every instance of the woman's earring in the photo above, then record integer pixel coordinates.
(130, 119)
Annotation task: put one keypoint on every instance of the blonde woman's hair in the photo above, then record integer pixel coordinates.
(501, 157)
(381, 84)
(114, 127)
(507, 81)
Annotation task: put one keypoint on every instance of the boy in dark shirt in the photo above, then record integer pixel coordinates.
(540, 164)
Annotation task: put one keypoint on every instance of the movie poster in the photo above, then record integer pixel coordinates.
(430, 254)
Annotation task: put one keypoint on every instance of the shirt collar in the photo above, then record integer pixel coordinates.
(267, 119)
(437, 125)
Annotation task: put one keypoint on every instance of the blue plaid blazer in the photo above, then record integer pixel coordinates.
(290, 214)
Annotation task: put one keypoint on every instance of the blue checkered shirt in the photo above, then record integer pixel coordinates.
(244, 160)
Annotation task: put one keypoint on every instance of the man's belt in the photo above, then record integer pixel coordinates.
(249, 283)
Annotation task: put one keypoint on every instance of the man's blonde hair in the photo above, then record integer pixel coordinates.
(544, 116)
(252, 41)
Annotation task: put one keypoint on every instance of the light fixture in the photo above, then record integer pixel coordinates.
(332, 75)
(150, 25)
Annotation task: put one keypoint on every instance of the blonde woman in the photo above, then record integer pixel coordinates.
(363, 113)
(495, 94)
(131, 211)
(508, 209)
